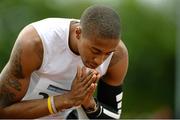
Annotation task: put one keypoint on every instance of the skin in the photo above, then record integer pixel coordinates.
(94, 51)
(27, 56)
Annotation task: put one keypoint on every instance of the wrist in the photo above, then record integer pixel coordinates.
(89, 104)
(63, 102)
(96, 112)
(92, 107)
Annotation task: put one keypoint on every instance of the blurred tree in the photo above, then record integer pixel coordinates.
(150, 36)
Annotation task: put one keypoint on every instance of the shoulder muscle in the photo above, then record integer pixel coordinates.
(118, 66)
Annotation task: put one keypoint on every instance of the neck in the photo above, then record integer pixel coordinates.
(72, 38)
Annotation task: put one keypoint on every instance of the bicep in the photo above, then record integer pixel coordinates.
(14, 78)
(12, 85)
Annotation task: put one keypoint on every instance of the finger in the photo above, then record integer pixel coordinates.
(78, 74)
(95, 72)
(88, 82)
(94, 89)
(89, 72)
(91, 90)
(87, 76)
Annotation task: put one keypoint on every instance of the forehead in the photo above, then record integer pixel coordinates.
(102, 43)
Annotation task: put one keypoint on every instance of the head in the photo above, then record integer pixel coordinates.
(98, 34)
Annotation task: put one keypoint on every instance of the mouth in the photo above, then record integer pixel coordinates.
(92, 66)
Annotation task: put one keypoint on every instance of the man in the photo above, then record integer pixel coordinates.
(55, 66)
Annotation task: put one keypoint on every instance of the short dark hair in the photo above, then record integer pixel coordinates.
(101, 21)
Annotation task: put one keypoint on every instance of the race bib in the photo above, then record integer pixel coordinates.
(44, 89)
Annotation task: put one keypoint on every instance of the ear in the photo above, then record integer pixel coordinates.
(78, 32)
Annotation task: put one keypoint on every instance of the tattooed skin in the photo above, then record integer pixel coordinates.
(15, 84)
(6, 97)
(10, 78)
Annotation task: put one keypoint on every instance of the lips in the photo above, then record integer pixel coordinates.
(93, 66)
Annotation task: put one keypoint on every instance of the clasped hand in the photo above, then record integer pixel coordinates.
(83, 87)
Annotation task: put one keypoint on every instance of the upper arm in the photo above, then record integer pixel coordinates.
(118, 66)
(26, 57)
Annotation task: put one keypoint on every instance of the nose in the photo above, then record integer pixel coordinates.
(99, 59)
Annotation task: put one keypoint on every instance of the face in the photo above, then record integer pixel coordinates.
(94, 51)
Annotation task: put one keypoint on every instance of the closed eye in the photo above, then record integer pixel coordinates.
(95, 52)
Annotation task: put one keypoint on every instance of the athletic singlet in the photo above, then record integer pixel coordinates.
(59, 65)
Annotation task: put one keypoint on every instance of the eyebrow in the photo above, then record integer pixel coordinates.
(101, 50)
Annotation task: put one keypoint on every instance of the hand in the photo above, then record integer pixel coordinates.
(89, 101)
(82, 86)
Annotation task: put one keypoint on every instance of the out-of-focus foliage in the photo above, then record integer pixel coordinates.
(148, 30)
(150, 36)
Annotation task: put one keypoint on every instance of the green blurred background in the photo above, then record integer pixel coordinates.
(148, 30)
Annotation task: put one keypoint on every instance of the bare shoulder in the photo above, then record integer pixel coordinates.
(31, 48)
(27, 51)
(118, 66)
(120, 53)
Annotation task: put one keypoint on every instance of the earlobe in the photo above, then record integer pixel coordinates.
(78, 32)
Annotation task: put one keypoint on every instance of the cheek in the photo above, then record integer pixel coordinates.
(86, 54)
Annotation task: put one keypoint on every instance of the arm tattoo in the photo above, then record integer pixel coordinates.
(15, 84)
(10, 78)
(16, 67)
(6, 97)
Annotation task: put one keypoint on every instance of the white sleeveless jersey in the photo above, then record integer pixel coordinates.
(59, 65)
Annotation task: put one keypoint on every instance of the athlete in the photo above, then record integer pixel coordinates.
(57, 63)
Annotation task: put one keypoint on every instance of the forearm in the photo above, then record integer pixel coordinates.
(33, 108)
(26, 109)
(108, 103)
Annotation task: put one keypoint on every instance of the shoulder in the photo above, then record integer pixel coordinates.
(30, 40)
(29, 47)
(120, 53)
(118, 66)
(29, 36)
